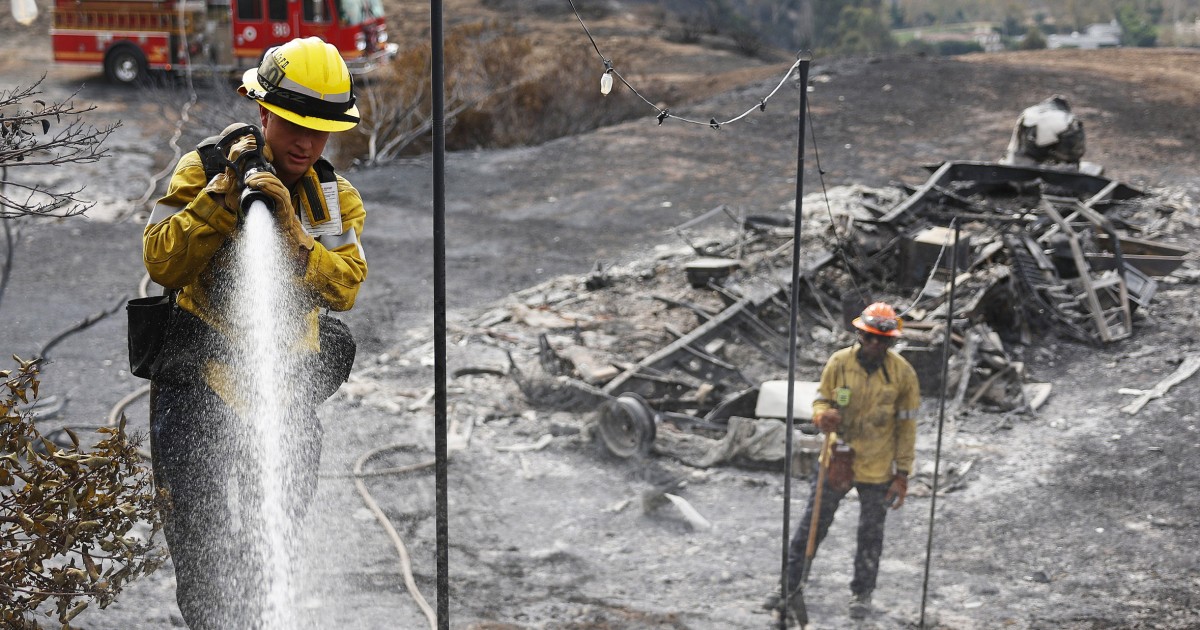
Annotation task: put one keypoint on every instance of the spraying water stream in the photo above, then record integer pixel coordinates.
(265, 310)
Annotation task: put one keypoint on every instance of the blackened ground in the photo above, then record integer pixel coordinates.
(1078, 517)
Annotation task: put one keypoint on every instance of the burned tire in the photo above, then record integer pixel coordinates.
(125, 65)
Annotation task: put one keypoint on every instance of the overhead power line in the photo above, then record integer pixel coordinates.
(664, 112)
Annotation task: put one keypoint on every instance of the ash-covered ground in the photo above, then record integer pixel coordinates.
(1077, 516)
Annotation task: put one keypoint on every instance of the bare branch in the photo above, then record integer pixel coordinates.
(10, 243)
(87, 322)
(26, 140)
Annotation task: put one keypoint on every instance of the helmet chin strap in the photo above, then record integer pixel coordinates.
(869, 363)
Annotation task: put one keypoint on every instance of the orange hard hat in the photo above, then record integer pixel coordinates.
(879, 319)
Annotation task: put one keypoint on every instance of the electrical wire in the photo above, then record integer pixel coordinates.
(841, 246)
(916, 298)
(665, 113)
(841, 249)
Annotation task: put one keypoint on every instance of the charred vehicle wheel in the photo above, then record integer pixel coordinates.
(627, 426)
(126, 65)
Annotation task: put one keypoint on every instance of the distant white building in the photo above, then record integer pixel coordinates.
(988, 39)
(1096, 36)
(983, 34)
(1187, 33)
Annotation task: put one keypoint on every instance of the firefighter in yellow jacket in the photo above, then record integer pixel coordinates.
(304, 93)
(869, 396)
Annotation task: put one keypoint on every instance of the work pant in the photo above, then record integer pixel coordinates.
(871, 517)
(214, 524)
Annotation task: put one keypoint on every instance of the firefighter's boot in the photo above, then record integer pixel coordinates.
(860, 605)
(796, 611)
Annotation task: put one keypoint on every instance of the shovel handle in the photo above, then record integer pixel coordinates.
(823, 467)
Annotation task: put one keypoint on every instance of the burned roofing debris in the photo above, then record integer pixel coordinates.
(681, 343)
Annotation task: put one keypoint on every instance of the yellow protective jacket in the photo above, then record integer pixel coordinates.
(880, 421)
(186, 246)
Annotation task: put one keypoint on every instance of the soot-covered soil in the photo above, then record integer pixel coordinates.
(1079, 516)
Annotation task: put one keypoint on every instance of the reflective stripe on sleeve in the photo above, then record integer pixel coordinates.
(161, 211)
(335, 241)
(907, 414)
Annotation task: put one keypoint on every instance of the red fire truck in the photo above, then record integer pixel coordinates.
(132, 37)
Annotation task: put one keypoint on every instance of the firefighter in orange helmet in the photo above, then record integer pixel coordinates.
(198, 405)
(869, 396)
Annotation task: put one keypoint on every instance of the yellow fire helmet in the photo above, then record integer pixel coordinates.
(306, 82)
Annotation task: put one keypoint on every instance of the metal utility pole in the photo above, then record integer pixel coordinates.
(784, 587)
(441, 513)
(937, 454)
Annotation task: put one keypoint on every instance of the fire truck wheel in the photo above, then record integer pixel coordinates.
(125, 64)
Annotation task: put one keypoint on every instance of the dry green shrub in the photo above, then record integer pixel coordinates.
(687, 29)
(496, 95)
(66, 515)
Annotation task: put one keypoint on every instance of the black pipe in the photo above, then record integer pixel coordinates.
(441, 514)
(793, 307)
(937, 454)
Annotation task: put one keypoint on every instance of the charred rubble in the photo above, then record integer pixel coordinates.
(692, 340)
(684, 351)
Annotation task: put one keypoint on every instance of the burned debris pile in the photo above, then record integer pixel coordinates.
(692, 340)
